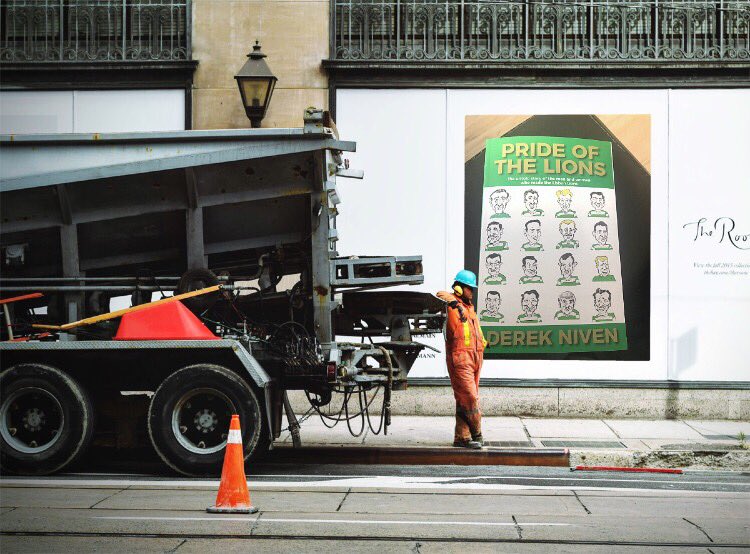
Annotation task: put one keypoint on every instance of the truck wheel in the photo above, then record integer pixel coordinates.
(189, 416)
(46, 420)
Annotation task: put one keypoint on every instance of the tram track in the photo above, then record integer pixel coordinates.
(392, 538)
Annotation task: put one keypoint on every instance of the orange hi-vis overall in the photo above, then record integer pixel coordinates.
(464, 354)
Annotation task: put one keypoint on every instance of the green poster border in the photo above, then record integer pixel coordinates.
(492, 153)
(555, 347)
(609, 336)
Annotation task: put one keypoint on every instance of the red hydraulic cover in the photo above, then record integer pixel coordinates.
(170, 321)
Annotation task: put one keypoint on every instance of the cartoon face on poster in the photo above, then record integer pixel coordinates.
(549, 267)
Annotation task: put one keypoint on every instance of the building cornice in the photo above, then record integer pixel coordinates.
(538, 74)
(96, 75)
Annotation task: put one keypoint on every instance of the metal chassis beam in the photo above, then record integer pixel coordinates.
(320, 223)
(256, 372)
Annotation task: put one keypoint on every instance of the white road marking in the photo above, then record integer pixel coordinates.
(677, 480)
(374, 482)
(356, 521)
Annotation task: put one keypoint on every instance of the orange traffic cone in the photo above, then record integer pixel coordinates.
(234, 496)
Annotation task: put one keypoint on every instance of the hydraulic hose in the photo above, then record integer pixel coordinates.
(388, 389)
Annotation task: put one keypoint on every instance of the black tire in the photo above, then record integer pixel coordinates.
(196, 279)
(35, 400)
(194, 446)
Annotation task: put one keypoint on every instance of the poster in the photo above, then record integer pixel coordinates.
(549, 260)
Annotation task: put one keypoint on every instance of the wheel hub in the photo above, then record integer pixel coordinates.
(200, 420)
(205, 420)
(34, 419)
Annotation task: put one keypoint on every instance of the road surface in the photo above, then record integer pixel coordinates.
(411, 509)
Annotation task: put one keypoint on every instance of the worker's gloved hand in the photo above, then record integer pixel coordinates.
(445, 296)
(450, 299)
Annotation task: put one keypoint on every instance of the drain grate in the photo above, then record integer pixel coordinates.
(584, 444)
(510, 444)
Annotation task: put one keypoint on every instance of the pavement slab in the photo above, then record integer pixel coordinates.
(413, 431)
(570, 428)
(729, 428)
(502, 421)
(35, 545)
(643, 429)
(634, 444)
(617, 528)
(724, 530)
(141, 521)
(430, 503)
(730, 508)
(387, 525)
(314, 431)
(199, 500)
(503, 434)
(53, 498)
(684, 444)
(426, 430)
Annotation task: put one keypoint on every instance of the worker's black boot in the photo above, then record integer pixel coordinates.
(478, 438)
(467, 443)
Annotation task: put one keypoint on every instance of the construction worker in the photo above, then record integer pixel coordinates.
(464, 351)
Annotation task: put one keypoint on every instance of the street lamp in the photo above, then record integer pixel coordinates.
(256, 84)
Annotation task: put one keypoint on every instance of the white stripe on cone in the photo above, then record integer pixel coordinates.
(235, 437)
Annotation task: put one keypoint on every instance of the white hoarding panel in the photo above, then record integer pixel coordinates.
(400, 207)
(91, 111)
(709, 222)
(99, 111)
(42, 111)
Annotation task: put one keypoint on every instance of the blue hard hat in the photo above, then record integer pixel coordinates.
(466, 277)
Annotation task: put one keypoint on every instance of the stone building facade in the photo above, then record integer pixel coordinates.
(294, 36)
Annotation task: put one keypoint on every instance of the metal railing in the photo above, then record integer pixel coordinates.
(94, 30)
(540, 30)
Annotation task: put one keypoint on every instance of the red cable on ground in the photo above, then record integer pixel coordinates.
(629, 469)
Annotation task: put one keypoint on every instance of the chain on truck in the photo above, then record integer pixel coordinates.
(100, 231)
